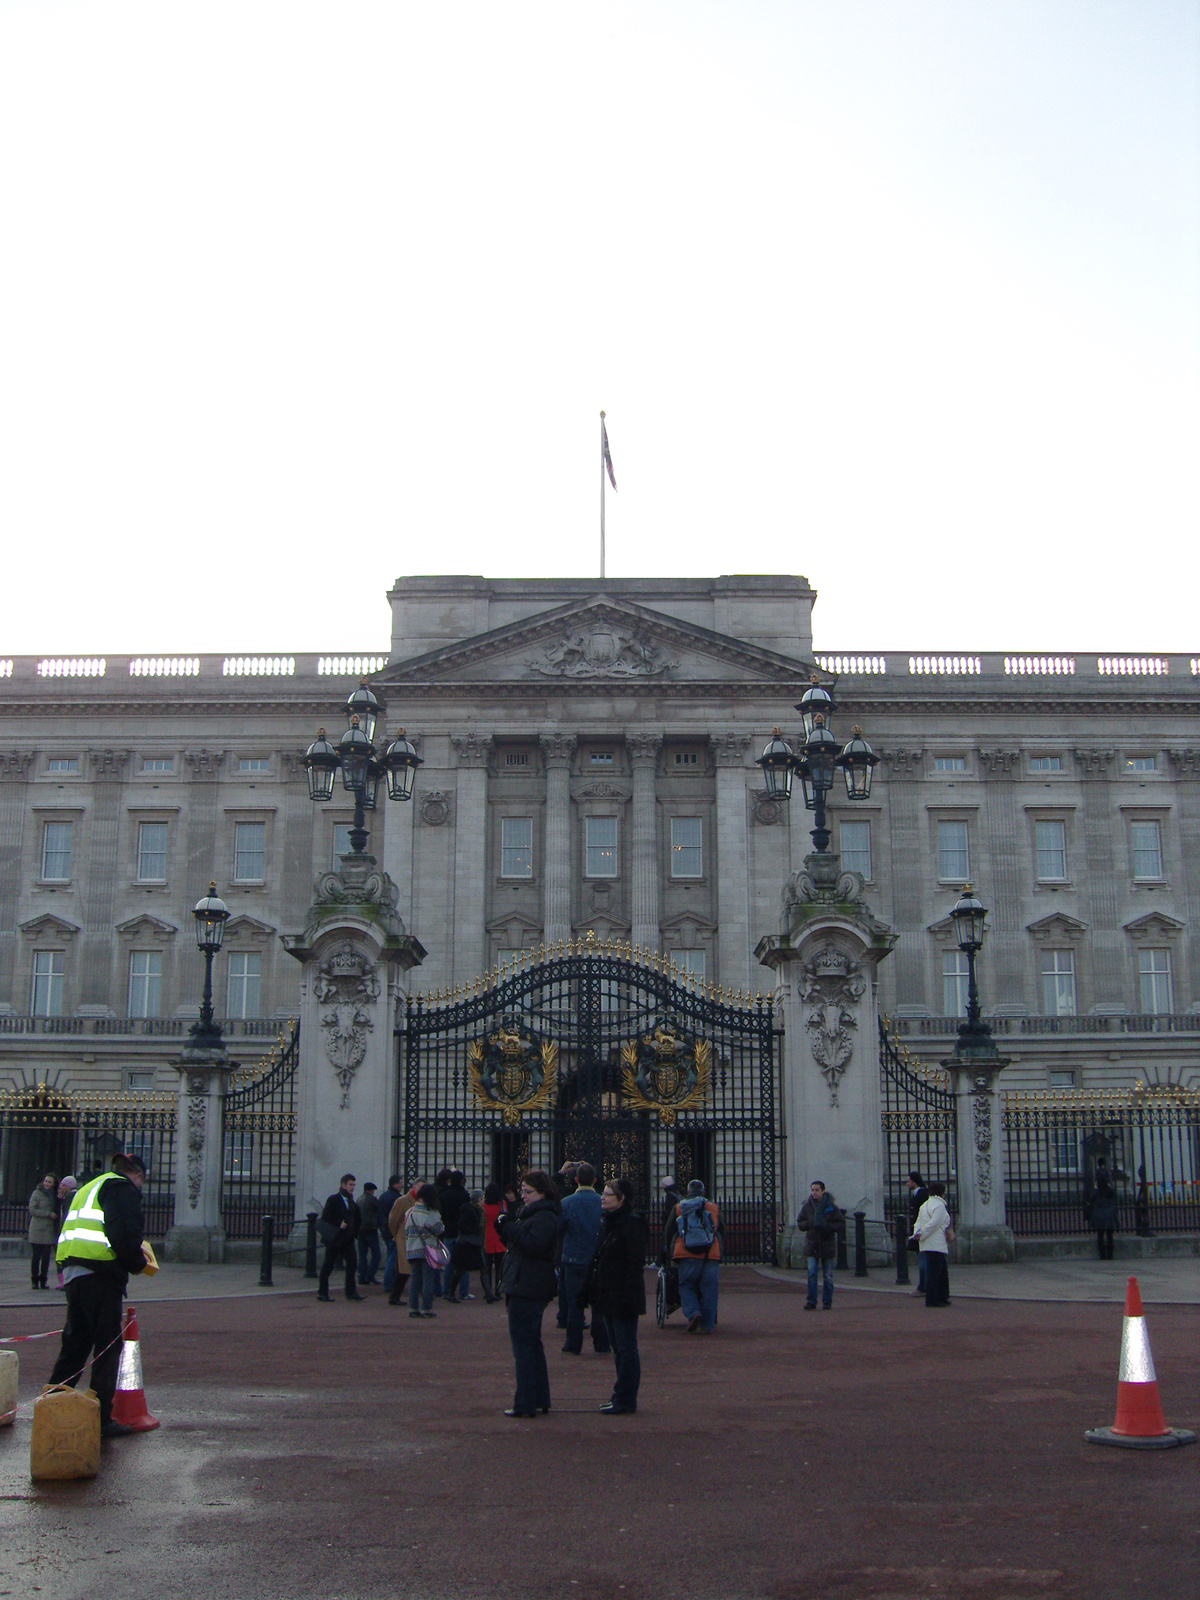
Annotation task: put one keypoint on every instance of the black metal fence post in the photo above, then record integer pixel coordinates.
(860, 1244)
(310, 1246)
(265, 1280)
(901, 1231)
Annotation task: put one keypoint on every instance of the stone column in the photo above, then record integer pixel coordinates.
(1100, 819)
(198, 1233)
(353, 954)
(470, 855)
(1008, 957)
(826, 970)
(903, 767)
(99, 889)
(557, 750)
(1187, 768)
(643, 756)
(733, 861)
(982, 1234)
(14, 774)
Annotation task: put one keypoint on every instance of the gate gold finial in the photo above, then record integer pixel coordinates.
(591, 940)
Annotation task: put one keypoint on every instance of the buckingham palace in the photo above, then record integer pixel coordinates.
(589, 771)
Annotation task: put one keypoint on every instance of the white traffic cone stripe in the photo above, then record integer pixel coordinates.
(1137, 1364)
(129, 1373)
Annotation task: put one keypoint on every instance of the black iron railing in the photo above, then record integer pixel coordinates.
(257, 1140)
(919, 1122)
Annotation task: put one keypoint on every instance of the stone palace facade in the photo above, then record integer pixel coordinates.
(589, 764)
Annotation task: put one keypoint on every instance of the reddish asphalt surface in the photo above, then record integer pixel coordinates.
(348, 1452)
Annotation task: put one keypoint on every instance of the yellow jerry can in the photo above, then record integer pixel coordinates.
(65, 1442)
(9, 1369)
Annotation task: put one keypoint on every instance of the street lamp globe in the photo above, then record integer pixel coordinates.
(857, 762)
(354, 754)
(815, 702)
(211, 914)
(778, 762)
(363, 705)
(400, 762)
(820, 762)
(321, 764)
(968, 918)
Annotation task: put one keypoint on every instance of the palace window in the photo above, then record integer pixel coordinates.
(954, 864)
(1154, 976)
(949, 763)
(56, 851)
(1045, 763)
(854, 847)
(955, 982)
(1050, 840)
(692, 962)
(601, 846)
(1141, 764)
(46, 997)
(145, 983)
(341, 842)
(1145, 839)
(1058, 983)
(687, 848)
(63, 764)
(687, 758)
(243, 985)
(158, 763)
(516, 847)
(254, 764)
(249, 852)
(152, 852)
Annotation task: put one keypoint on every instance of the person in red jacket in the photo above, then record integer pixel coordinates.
(697, 1254)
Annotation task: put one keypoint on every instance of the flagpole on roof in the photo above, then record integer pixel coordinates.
(605, 466)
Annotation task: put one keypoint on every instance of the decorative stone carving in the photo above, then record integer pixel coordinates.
(600, 652)
(358, 881)
(903, 763)
(557, 748)
(1094, 763)
(1185, 762)
(197, 1119)
(832, 984)
(981, 1120)
(821, 882)
(602, 789)
(765, 811)
(729, 749)
(347, 984)
(291, 763)
(109, 763)
(16, 763)
(204, 763)
(471, 749)
(643, 747)
(1000, 763)
(434, 809)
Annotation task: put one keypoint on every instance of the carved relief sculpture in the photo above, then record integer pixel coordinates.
(982, 1122)
(197, 1118)
(435, 807)
(832, 984)
(347, 985)
(600, 652)
(666, 1071)
(512, 1070)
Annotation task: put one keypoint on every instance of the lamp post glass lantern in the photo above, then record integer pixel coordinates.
(211, 914)
(969, 918)
(362, 767)
(818, 762)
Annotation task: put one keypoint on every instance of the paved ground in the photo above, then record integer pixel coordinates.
(346, 1452)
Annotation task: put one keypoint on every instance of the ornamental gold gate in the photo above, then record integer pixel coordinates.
(597, 1052)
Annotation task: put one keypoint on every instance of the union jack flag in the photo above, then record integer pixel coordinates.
(607, 457)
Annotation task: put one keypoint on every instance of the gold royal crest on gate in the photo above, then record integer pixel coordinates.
(512, 1071)
(666, 1072)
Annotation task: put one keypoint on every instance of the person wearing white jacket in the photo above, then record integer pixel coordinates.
(934, 1231)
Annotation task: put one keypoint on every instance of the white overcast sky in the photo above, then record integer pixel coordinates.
(298, 298)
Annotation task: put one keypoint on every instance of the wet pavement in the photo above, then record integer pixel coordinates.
(348, 1452)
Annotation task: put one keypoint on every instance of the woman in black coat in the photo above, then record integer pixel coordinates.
(615, 1287)
(529, 1284)
(1102, 1210)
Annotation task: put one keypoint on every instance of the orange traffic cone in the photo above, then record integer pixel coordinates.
(129, 1402)
(1140, 1423)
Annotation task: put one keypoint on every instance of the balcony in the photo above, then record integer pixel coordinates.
(1146, 1022)
(138, 1027)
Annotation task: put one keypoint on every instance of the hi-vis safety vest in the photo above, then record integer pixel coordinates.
(83, 1234)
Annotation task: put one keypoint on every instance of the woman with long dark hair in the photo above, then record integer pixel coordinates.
(615, 1288)
(493, 1247)
(530, 1238)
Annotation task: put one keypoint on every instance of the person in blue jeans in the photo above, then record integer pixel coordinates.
(579, 1228)
(821, 1222)
(699, 1268)
(423, 1226)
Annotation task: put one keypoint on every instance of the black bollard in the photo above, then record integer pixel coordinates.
(901, 1231)
(265, 1280)
(860, 1244)
(310, 1246)
(843, 1260)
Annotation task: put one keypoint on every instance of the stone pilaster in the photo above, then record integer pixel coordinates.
(826, 965)
(557, 751)
(15, 768)
(1187, 767)
(903, 767)
(733, 860)
(353, 954)
(470, 855)
(1109, 985)
(982, 1234)
(198, 1233)
(643, 751)
(1007, 948)
(99, 894)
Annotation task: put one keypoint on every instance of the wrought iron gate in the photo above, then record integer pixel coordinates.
(258, 1132)
(919, 1120)
(594, 1052)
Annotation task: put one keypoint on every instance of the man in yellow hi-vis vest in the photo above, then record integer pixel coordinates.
(99, 1246)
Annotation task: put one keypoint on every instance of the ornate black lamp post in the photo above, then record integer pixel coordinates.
(211, 914)
(363, 768)
(969, 918)
(818, 762)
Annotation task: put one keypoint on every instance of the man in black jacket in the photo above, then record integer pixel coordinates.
(339, 1227)
(96, 1281)
(917, 1196)
(615, 1288)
